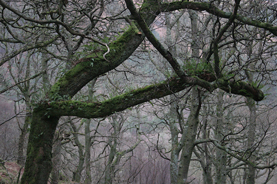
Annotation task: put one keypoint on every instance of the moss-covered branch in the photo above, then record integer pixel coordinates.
(125, 45)
(141, 95)
(240, 88)
(88, 68)
(122, 48)
(118, 103)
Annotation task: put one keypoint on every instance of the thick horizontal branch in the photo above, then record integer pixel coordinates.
(240, 88)
(141, 95)
(116, 104)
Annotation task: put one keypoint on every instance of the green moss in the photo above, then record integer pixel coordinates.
(243, 91)
(39, 146)
(193, 67)
(121, 41)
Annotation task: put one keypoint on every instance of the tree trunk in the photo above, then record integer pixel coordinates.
(26, 91)
(56, 160)
(175, 151)
(39, 152)
(251, 171)
(221, 156)
(113, 143)
(110, 170)
(189, 134)
(207, 170)
(173, 116)
(78, 172)
(88, 137)
(22, 140)
(189, 137)
(251, 134)
(87, 151)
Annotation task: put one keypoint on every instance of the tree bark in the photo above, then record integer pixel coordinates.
(39, 152)
(88, 138)
(207, 169)
(174, 120)
(87, 151)
(22, 140)
(113, 154)
(189, 136)
(221, 156)
(251, 171)
(175, 151)
(56, 160)
(78, 172)
(26, 91)
(251, 134)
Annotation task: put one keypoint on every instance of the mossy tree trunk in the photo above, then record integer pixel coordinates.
(39, 153)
